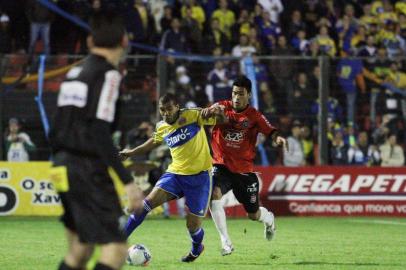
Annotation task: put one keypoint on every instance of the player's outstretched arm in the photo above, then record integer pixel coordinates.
(280, 141)
(139, 150)
(215, 110)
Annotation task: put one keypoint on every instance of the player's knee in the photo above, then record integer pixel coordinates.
(193, 224)
(216, 194)
(113, 254)
(79, 257)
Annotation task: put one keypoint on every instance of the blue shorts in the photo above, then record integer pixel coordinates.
(195, 188)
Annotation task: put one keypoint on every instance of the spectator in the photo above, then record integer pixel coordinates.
(219, 83)
(243, 49)
(282, 70)
(175, 39)
(362, 153)
(254, 40)
(183, 87)
(359, 39)
(397, 79)
(18, 144)
(295, 156)
(296, 24)
(226, 18)
(368, 18)
(312, 12)
(299, 97)
(381, 132)
(301, 44)
(81, 9)
(190, 26)
(261, 70)
(388, 37)
(266, 102)
(273, 7)
(157, 11)
(215, 38)
(5, 36)
(269, 31)
(391, 153)
(349, 13)
(242, 26)
(140, 24)
(338, 149)
(368, 49)
(325, 42)
(349, 72)
(387, 14)
(196, 12)
(166, 19)
(375, 71)
(40, 19)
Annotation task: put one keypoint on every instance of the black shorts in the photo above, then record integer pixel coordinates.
(92, 207)
(245, 186)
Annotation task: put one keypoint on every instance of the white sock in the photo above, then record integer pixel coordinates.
(219, 217)
(266, 216)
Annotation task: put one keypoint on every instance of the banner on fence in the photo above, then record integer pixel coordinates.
(26, 190)
(330, 191)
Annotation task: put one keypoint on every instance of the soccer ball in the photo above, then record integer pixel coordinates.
(138, 255)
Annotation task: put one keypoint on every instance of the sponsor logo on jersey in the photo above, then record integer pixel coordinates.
(234, 136)
(182, 135)
(73, 93)
(252, 188)
(245, 123)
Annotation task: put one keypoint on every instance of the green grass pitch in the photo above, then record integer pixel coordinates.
(300, 243)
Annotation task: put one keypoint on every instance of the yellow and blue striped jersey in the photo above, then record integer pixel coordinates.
(187, 142)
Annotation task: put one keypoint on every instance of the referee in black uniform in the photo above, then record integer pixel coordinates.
(85, 158)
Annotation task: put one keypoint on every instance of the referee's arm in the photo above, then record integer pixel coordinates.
(106, 150)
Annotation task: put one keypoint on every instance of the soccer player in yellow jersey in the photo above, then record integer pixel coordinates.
(188, 174)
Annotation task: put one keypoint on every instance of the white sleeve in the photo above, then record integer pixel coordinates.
(106, 107)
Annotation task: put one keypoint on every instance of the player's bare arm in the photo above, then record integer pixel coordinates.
(280, 141)
(215, 110)
(139, 150)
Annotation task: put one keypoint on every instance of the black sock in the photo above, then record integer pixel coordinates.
(64, 266)
(100, 266)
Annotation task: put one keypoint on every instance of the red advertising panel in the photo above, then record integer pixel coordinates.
(330, 191)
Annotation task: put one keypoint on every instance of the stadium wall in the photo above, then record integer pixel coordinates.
(26, 190)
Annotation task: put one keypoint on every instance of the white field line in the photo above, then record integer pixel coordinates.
(386, 222)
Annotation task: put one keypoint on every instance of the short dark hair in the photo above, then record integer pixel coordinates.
(168, 97)
(243, 81)
(107, 29)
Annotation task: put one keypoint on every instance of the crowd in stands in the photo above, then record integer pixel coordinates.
(365, 41)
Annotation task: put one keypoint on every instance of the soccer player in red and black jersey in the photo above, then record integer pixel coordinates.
(234, 147)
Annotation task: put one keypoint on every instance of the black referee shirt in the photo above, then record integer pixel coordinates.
(86, 112)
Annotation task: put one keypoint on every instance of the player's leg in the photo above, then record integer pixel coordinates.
(196, 232)
(246, 190)
(112, 256)
(78, 253)
(197, 191)
(221, 183)
(166, 189)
